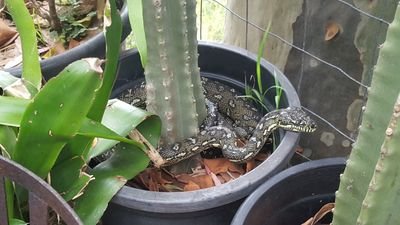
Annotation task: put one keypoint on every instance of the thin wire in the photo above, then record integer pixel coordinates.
(363, 12)
(294, 46)
(303, 156)
(247, 24)
(329, 124)
(201, 19)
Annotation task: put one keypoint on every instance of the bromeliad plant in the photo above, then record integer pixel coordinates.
(56, 129)
(369, 194)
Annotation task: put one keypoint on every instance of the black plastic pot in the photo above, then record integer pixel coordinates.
(216, 205)
(294, 195)
(94, 47)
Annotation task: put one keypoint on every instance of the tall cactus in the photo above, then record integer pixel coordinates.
(358, 178)
(174, 89)
(381, 203)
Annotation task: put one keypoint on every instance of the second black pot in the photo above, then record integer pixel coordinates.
(94, 47)
(216, 205)
(292, 196)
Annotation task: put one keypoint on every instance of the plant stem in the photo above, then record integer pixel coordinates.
(172, 76)
(55, 21)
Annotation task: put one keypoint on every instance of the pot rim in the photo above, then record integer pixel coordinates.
(247, 205)
(181, 202)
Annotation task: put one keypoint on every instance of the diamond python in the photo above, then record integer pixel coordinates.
(244, 121)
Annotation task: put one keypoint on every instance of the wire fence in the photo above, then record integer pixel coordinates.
(222, 4)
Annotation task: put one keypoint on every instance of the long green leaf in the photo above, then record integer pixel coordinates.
(17, 222)
(69, 178)
(55, 115)
(27, 32)
(94, 129)
(80, 145)
(135, 10)
(121, 118)
(110, 176)
(6, 79)
(113, 40)
(8, 139)
(7, 144)
(118, 128)
(125, 163)
(16, 87)
(11, 110)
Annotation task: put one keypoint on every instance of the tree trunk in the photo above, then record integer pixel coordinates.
(333, 31)
(281, 13)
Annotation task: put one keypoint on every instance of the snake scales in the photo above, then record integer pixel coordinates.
(246, 123)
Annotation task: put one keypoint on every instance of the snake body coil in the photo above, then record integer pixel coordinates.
(246, 123)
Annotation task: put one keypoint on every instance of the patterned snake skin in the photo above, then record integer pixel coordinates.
(246, 123)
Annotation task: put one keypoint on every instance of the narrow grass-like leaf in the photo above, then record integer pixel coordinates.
(259, 56)
(257, 101)
(135, 10)
(31, 71)
(55, 115)
(278, 92)
(126, 162)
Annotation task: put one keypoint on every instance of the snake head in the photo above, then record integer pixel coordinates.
(295, 119)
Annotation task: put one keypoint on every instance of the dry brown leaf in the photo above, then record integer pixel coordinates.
(56, 49)
(153, 185)
(7, 34)
(215, 179)
(203, 181)
(250, 165)
(221, 179)
(299, 149)
(331, 31)
(73, 43)
(234, 175)
(221, 165)
(327, 208)
(171, 188)
(8, 57)
(191, 186)
(225, 177)
(262, 156)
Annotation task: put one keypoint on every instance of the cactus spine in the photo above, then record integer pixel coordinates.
(354, 183)
(174, 89)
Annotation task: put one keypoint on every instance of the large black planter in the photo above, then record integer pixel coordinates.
(216, 205)
(292, 196)
(94, 47)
